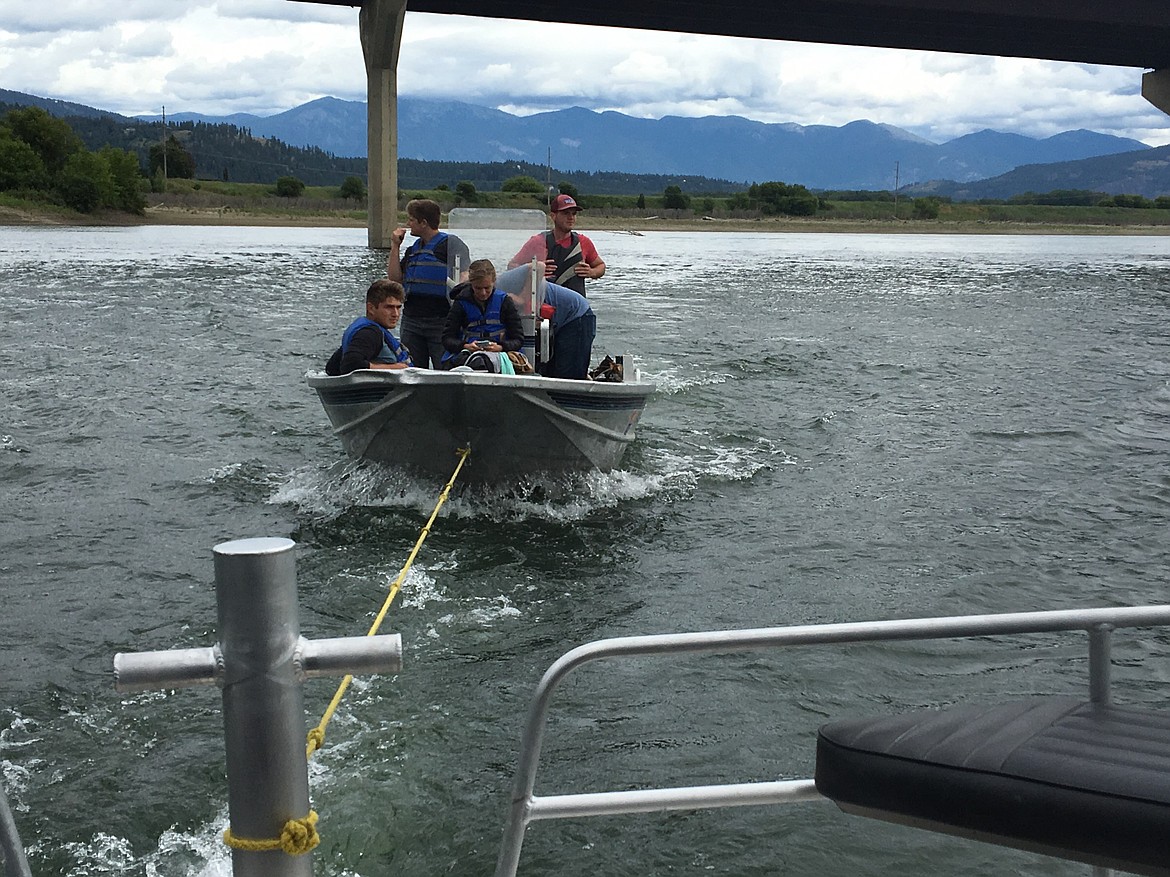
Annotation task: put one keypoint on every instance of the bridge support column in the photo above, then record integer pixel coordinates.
(1156, 88)
(380, 22)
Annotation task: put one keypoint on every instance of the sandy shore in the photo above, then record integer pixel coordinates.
(628, 225)
(589, 221)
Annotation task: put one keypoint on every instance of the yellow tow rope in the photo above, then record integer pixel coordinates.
(317, 736)
(299, 836)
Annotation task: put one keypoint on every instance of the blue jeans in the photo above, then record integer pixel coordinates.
(423, 337)
(573, 348)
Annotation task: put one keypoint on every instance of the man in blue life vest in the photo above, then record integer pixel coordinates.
(569, 258)
(481, 317)
(425, 270)
(368, 341)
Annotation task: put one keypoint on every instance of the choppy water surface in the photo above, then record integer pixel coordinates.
(847, 427)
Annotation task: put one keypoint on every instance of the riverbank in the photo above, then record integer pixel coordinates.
(592, 220)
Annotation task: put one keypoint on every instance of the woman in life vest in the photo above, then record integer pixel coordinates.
(481, 317)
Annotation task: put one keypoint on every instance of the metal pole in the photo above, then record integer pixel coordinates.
(1100, 653)
(15, 863)
(263, 706)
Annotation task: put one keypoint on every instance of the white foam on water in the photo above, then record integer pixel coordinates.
(103, 854)
(671, 382)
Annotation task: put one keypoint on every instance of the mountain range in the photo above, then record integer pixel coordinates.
(860, 155)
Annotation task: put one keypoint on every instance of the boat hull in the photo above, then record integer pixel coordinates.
(515, 425)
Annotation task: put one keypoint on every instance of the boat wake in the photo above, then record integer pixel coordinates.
(323, 493)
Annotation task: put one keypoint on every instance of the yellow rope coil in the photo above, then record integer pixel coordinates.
(298, 837)
(316, 737)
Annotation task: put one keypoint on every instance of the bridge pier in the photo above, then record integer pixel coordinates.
(380, 24)
(1156, 88)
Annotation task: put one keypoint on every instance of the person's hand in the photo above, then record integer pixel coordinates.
(550, 268)
(583, 270)
(398, 236)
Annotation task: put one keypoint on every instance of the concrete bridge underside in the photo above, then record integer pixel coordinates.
(1124, 33)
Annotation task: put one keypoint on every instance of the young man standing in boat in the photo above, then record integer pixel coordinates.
(425, 270)
(481, 318)
(569, 258)
(368, 342)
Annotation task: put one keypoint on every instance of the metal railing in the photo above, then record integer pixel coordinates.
(11, 850)
(527, 807)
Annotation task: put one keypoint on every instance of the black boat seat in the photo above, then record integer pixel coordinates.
(1053, 775)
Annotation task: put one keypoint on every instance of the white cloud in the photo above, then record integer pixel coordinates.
(265, 56)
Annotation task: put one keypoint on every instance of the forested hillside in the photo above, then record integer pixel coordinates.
(227, 152)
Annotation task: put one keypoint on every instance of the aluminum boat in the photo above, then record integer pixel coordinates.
(515, 425)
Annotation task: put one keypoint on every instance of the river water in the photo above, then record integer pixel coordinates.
(846, 427)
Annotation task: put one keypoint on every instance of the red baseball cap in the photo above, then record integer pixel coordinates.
(563, 202)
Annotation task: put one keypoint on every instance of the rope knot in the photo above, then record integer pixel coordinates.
(315, 739)
(300, 835)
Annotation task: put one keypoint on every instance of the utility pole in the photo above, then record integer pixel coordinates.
(164, 148)
(896, 184)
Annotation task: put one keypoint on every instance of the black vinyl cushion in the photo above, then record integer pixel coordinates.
(1056, 775)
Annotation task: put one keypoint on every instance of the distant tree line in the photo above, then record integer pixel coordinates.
(43, 159)
(1086, 198)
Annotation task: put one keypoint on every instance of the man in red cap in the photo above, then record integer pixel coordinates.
(568, 257)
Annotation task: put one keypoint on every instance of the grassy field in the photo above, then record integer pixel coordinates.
(189, 202)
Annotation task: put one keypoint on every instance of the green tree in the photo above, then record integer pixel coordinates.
(50, 138)
(674, 199)
(776, 198)
(465, 191)
(20, 166)
(180, 163)
(85, 183)
(289, 187)
(522, 184)
(352, 187)
(739, 201)
(126, 178)
(1137, 201)
(926, 208)
(567, 188)
(641, 202)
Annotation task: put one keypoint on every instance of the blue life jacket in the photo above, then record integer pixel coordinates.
(392, 351)
(482, 325)
(425, 273)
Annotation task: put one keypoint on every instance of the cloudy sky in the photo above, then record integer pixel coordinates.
(266, 56)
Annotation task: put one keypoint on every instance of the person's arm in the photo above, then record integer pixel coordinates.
(591, 266)
(532, 247)
(363, 348)
(453, 329)
(513, 328)
(394, 260)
